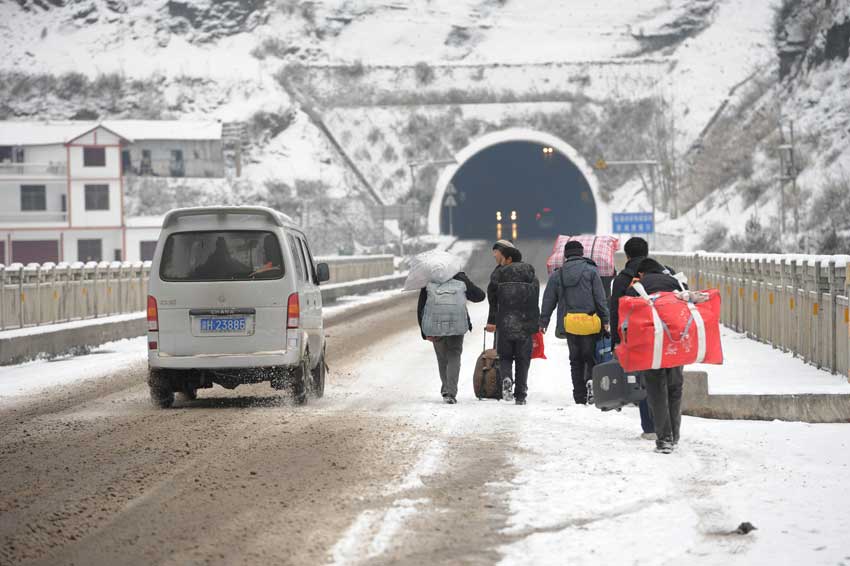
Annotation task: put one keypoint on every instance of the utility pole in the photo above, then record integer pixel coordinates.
(788, 172)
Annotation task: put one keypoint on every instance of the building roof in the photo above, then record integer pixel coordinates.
(13, 132)
(165, 129)
(41, 133)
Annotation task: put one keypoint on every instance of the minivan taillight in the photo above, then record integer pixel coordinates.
(293, 312)
(153, 315)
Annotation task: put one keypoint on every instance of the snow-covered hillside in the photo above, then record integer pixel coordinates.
(225, 60)
(742, 205)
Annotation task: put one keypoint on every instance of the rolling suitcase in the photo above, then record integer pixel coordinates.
(613, 388)
(486, 380)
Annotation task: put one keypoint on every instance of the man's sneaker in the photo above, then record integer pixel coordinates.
(664, 447)
(648, 436)
(508, 389)
(449, 400)
(590, 397)
(520, 401)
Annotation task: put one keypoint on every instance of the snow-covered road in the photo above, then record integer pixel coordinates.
(380, 471)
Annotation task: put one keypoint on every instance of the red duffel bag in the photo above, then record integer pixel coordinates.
(665, 331)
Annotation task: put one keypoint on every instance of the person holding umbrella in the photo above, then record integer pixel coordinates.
(441, 312)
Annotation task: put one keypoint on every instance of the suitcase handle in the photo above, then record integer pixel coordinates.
(485, 341)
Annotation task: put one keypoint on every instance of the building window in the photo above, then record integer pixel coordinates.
(117, 255)
(33, 197)
(126, 161)
(146, 166)
(94, 157)
(97, 197)
(89, 250)
(178, 168)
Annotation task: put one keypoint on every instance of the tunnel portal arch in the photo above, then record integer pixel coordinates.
(436, 210)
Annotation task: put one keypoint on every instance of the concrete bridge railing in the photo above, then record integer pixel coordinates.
(797, 303)
(40, 294)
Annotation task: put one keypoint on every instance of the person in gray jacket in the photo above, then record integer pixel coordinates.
(443, 321)
(576, 288)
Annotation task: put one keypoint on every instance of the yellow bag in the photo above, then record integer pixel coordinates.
(582, 324)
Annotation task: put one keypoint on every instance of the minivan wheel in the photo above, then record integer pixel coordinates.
(301, 379)
(319, 374)
(161, 391)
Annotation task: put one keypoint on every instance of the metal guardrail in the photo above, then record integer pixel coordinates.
(796, 303)
(39, 294)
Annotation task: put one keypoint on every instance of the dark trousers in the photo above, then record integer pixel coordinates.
(664, 393)
(448, 350)
(646, 422)
(515, 353)
(581, 364)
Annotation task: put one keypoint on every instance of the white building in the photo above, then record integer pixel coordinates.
(62, 185)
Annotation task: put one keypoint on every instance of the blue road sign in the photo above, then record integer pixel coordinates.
(633, 223)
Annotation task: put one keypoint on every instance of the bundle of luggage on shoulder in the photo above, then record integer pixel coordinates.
(659, 330)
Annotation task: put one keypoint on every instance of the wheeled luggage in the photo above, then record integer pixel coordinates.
(486, 380)
(664, 331)
(613, 388)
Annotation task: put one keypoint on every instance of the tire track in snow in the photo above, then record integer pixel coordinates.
(373, 531)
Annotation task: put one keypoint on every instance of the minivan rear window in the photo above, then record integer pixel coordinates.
(221, 255)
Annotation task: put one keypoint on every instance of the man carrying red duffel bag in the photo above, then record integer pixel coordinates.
(659, 334)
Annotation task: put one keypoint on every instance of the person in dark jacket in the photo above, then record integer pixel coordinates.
(500, 253)
(576, 288)
(449, 348)
(663, 386)
(514, 293)
(637, 249)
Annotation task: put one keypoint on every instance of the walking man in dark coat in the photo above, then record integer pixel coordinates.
(637, 249)
(513, 294)
(663, 386)
(576, 288)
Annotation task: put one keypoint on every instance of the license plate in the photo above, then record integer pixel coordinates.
(228, 325)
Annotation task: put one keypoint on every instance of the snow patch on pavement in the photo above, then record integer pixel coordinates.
(107, 359)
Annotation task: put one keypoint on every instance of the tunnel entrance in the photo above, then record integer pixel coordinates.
(517, 184)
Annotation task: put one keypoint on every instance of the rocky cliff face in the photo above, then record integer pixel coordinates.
(810, 33)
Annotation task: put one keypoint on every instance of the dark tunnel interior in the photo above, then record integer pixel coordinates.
(547, 192)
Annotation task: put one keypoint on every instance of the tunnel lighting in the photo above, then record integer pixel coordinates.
(513, 215)
(513, 232)
(547, 151)
(499, 231)
(499, 216)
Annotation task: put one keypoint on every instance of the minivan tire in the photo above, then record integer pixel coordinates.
(161, 390)
(319, 374)
(301, 377)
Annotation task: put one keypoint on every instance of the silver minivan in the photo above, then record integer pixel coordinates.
(234, 298)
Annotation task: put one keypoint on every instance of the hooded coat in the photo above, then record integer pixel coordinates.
(656, 278)
(621, 284)
(513, 294)
(576, 287)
